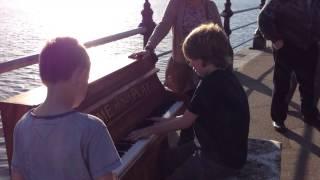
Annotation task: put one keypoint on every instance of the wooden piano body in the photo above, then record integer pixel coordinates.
(122, 94)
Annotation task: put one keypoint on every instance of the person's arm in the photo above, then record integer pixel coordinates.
(278, 44)
(15, 175)
(267, 19)
(145, 54)
(109, 176)
(17, 156)
(160, 31)
(164, 126)
(163, 28)
(100, 153)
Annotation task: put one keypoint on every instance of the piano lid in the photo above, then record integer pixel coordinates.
(100, 71)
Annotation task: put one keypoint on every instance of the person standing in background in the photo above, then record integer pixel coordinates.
(317, 76)
(293, 28)
(181, 16)
(317, 79)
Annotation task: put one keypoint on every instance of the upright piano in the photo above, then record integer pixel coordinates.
(123, 94)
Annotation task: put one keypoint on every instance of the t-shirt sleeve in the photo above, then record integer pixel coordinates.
(102, 154)
(16, 162)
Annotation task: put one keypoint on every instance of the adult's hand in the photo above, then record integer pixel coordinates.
(140, 55)
(278, 44)
(138, 134)
(145, 54)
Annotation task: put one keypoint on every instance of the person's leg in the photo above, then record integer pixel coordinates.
(200, 167)
(293, 87)
(211, 170)
(317, 80)
(281, 81)
(175, 157)
(186, 136)
(188, 170)
(305, 72)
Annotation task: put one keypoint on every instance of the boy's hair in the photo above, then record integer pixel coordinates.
(209, 43)
(59, 59)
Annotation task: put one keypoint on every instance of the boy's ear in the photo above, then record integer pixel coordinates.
(77, 74)
(203, 63)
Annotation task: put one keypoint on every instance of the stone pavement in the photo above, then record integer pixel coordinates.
(301, 144)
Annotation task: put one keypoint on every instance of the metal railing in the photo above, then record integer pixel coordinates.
(33, 59)
(145, 28)
(228, 13)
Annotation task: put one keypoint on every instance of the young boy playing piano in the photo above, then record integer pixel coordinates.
(218, 110)
(53, 140)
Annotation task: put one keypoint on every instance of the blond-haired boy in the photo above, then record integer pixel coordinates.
(219, 110)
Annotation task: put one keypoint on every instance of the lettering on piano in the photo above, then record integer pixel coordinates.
(122, 102)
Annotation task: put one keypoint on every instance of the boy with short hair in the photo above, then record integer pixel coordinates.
(53, 140)
(218, 110)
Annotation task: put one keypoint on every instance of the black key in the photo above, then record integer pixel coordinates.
(123, 146)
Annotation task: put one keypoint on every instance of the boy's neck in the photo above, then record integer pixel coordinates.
(58, 101)
(195, 2)
(210, 69)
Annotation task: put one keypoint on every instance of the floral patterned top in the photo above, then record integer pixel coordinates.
(193, 17)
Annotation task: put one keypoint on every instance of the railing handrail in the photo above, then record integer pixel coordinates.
(242, 43)
(33, 59)
(240, 27)
(258, 41)
(246, 10)
(114, 37)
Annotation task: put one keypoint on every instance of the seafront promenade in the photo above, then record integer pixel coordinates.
(300, 145)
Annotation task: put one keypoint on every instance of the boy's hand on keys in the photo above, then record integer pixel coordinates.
(138, 134)
(157, 120)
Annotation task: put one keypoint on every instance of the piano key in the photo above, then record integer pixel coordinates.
(129, 157)
(123, 146)
(138, 148)
(121, 153)
(173, 110)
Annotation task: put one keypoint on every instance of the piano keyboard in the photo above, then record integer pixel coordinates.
(129, 152)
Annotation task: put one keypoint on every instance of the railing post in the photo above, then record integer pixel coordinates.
(147, 22)
(226, 14)
(258, 41)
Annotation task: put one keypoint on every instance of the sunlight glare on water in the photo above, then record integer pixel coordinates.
(83, 19)
(25, 27)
